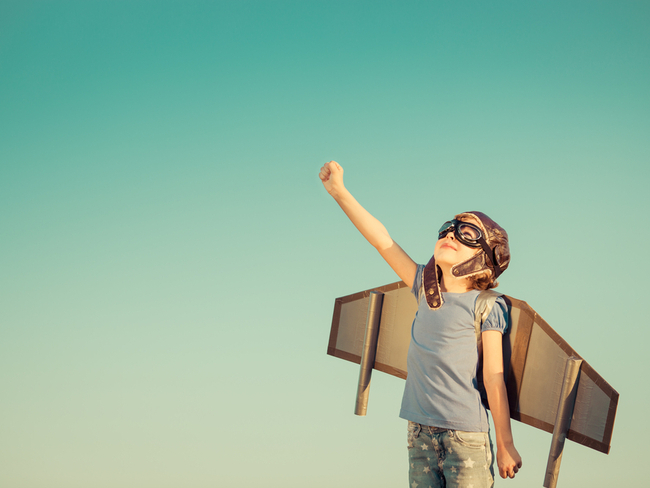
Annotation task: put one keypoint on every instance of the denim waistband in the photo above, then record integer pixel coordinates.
(431, 429)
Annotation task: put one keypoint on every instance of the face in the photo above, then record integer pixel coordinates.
(449, 251)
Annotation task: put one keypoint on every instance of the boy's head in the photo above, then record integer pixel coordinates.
(483, 267)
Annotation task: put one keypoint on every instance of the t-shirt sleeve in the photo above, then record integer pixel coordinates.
(417, 282)
(498, 318)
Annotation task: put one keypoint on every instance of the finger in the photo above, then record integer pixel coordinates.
(333, 166)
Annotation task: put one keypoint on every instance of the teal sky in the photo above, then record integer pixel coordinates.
(169, 259)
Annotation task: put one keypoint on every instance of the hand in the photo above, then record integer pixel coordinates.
(331, 174)
(508, 461)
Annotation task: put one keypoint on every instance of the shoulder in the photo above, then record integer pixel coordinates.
(498, 317)
(416, 286)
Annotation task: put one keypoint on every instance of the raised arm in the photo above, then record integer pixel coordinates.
(331, 174)
(508, 459)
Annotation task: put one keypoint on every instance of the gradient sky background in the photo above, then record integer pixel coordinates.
(169, 259)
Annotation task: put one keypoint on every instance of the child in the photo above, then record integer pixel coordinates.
(448, 439)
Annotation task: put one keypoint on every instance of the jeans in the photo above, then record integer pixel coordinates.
(441, 458)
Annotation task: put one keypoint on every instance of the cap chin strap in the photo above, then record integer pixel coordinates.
(431, 285)
(478, 262)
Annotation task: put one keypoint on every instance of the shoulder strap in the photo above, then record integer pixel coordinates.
(484, 303)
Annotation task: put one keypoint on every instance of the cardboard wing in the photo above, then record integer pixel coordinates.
(535, 353)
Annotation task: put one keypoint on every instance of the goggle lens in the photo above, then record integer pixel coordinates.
(467, 233)
(446, 228)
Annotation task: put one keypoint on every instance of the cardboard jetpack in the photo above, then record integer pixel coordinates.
(548, 382)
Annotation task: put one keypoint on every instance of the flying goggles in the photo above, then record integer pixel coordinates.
(471, 236)
(466, 233)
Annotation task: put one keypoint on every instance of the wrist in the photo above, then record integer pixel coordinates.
(339, 193)
(505, 444)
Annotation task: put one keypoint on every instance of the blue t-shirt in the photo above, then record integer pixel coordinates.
(441, 387)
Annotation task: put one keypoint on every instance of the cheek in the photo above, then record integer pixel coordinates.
(436, 248)
(469, 252)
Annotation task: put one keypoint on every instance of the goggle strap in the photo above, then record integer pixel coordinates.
(489, 253)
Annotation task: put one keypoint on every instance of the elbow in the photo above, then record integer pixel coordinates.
(383, 244)
(493, 381)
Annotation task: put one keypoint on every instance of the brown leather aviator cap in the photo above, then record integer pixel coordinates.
(494, 256)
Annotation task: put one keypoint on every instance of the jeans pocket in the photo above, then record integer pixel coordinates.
(413, 433)
(475, 440)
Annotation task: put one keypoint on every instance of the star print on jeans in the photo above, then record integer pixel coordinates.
(424, 447)
(469, 463)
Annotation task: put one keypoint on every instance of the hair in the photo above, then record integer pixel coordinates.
(483, 280)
